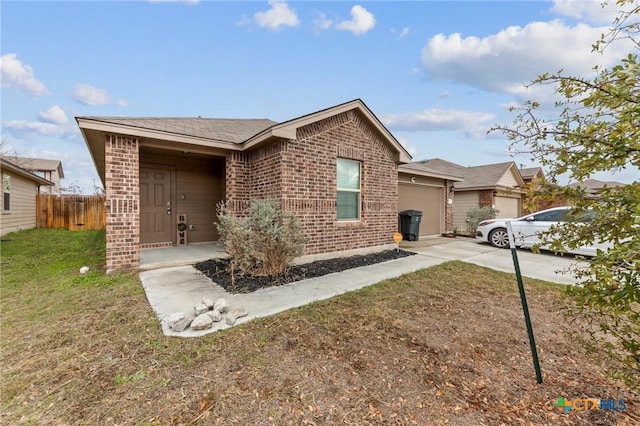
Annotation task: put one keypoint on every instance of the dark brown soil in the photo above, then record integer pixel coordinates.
(218, 270)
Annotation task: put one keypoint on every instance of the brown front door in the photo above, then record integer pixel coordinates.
(156, 210)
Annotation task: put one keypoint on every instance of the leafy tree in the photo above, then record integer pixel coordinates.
(597, 128)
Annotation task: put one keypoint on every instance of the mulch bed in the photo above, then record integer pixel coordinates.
(218, 270)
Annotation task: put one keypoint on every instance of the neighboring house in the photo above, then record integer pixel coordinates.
(494, 185)
(50, 170)
(429, 191)
(336, 170)
(531, 175)
(593, 186)
(18, 202)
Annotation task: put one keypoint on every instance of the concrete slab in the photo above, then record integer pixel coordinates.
(179, 289)
(165, 257)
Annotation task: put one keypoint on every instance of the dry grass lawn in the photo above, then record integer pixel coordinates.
(446, 345)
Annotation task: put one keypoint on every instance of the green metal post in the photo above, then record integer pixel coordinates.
(525, 307)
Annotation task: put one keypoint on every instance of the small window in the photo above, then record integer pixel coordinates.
(6, 189)
(348, 189)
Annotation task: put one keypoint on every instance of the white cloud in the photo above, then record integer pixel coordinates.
(279, 15)
(52, 122)
(361, 21)
(402, 33)
(321, 22)
(588, 10)
(17, 74)
(54, 115)
(90, 95)
(411, 149)
(505, 61)
(34, 127)
(472, 124)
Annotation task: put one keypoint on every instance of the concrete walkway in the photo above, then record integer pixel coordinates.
(179, 289)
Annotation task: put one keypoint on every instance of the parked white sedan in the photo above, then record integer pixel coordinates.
(527, 229)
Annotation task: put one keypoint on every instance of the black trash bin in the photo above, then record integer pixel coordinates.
(410, 224)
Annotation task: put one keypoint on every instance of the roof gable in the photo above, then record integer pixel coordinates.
(531, 172)
(289, 128)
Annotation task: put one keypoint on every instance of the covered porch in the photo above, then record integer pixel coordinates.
(166, 257)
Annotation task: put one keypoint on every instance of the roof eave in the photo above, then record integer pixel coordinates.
(25, 173)
(91, 124)
(429, 174)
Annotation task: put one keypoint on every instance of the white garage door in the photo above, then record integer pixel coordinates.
(429, 200)
(508, 207)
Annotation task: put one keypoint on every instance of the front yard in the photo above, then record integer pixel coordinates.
(445, 345)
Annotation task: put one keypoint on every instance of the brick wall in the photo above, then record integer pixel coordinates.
(301, 174)
(486, 198)
(122, 202)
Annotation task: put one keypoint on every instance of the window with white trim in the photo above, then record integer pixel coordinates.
(6, 189)
(348, 189)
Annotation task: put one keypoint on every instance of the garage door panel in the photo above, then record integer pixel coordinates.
(508, 207)
(429, 200)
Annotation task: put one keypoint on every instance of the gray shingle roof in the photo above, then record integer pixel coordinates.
(477, 176)
(428, 170)
(529, 172)
(595, 184)
(234, 130)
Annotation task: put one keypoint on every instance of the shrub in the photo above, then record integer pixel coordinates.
(477, 215)
(264, 242)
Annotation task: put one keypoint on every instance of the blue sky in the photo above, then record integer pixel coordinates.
(437, 74)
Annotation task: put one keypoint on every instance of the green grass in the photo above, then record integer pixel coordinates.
(88, 349)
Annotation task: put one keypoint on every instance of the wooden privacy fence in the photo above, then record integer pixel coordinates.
(72, 212)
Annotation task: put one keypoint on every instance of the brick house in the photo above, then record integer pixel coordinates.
(335, 169)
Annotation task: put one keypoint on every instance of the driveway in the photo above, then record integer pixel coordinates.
(178, 289)
(543, 266)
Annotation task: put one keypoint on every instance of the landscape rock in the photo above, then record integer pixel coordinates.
(234, 314)
(207, 301)
(215, 316)
(181, 325)
(84, 270)
(174, 318)
(202, 322)
(200, 308)
(220, 305)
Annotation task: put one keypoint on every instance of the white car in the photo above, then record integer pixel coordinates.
(527, 229)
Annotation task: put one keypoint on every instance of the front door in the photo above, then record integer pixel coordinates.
(156, 212)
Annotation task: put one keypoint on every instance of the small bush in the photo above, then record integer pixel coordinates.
(477, 215)
(264, 242)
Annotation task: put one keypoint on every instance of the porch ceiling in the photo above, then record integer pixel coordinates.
(95, 140)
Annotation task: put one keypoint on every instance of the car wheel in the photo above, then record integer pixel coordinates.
(499, 238)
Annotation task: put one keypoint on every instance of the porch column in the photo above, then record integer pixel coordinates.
(122, 190)
(448, 207)
(238, 182)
